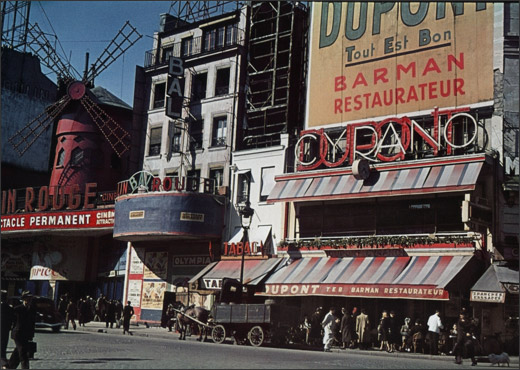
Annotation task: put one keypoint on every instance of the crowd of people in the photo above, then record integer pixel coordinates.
(87, 309)
(352, 328)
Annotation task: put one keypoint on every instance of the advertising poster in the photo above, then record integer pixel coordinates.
(136, 261)
(134, 292)
(58, 261)
(372, 59)
(155, 265)
(153, 294)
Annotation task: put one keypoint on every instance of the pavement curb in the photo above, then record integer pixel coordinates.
(159, 332)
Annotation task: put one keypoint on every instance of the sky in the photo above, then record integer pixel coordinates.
(89, 26)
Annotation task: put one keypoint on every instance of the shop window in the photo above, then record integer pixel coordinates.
(219, 131)
(61, 157)
(76, 157)
(155, 141)
(222, 82)
(198, 86)
(196, 130)
(267, 182)
(217, 177)
(159, 95)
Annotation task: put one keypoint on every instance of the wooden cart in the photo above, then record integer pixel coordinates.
(256, 323)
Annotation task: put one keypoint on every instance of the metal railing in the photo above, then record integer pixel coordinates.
(196, 47)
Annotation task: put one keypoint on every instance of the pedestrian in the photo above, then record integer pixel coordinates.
(83, 311)
(362, 329)
(394, 335)
(7, 323)
(100, 308)
(464, 346)
(434, 329)
(119, 311)
(348, 329)
(316, 329)
(128, 312)
(110, 313)
(62, 306)
(306, 326)
(382, 329)
(22, 332)
(326, 324)
(416, 340)
(71, 314)
(405, 335)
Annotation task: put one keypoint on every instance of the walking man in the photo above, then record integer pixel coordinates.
(434, 329)
(128, 312)
(326, 324)
(7, 323)
(22, 333)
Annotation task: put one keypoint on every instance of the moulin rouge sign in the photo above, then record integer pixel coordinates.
(389, 140)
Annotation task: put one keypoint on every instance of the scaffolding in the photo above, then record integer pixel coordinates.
(15, 20)
(276, 67)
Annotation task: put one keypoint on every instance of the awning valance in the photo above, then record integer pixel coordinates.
(255, 271)
(436, 178)
(423, 277)
(498, 280)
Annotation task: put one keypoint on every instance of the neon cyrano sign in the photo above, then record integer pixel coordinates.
(389, 140)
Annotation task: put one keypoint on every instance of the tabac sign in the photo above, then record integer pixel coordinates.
(372, 59)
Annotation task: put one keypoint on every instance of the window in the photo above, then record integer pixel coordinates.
(159, 95)
(76, 157)
(61, 157)
(217, 177)
(193, 180)
(222, 83)
(267, 183)
(231, 34)
(221, 34)
(155, 141)
(187, 46)
(167, 53)
(210, 38)
(176, 140)
(198, 86)
(196, 130)
(219, 131)
(244, 180)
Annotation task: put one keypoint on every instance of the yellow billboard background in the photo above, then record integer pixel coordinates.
(456, 56)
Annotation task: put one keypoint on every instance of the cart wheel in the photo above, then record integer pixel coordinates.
(218, 334)
(256, 336)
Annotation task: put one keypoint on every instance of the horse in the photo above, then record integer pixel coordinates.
(183, 322)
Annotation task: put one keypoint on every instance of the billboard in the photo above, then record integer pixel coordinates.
(380, 59)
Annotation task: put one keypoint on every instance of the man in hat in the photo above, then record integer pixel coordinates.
(7, 323)
(22, 333)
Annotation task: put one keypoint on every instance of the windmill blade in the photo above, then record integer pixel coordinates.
(25, 137)
(125, 38)
(41, 46)
(111, 130)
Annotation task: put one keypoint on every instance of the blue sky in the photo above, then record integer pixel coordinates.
(89, 26)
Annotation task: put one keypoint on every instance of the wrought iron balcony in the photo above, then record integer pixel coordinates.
(195, 47)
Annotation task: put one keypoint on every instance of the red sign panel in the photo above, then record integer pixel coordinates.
(358, 290)
(59, 220)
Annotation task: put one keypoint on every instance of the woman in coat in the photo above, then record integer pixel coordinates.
(348, 329)
(384, 332)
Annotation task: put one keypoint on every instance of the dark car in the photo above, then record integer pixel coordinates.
(47, 316)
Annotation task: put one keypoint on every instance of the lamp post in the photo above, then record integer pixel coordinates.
(246, 216)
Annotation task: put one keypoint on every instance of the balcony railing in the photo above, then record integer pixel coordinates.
(197, 47)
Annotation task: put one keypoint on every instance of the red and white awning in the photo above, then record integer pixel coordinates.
(435, 178)
(371, 277)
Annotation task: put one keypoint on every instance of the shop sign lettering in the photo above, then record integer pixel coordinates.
(236, 249)
(355, 290)
(389, 140)
(144, 181)
(494, 297)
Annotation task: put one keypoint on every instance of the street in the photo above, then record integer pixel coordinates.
(83, 349)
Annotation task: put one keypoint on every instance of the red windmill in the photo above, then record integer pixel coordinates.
(82, 155)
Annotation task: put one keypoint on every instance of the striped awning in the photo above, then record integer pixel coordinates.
(423, 277)
(432, 179)
(255, 271)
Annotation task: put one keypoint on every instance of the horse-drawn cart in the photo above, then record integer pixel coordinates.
(257, 323)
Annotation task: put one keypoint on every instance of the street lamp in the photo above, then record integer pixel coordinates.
(246, 216)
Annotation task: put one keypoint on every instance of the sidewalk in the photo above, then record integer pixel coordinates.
(159, 332)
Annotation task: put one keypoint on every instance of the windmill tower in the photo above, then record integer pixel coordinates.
(92, 125)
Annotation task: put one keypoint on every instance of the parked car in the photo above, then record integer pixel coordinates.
(47, 316)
